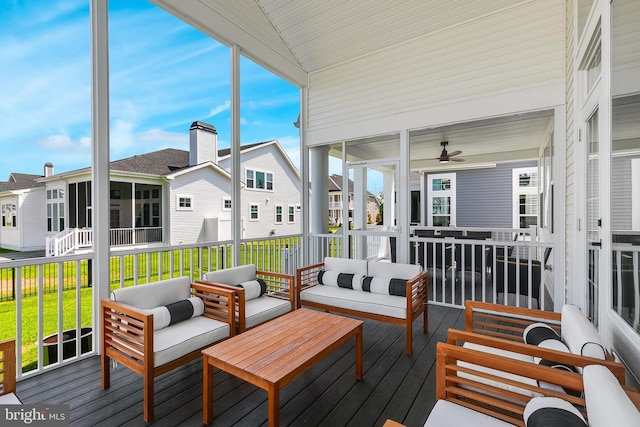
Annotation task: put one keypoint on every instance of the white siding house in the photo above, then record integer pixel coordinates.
(165, 197)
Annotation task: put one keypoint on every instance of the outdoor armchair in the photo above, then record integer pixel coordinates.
(154, 328)
(8, 373)
(260, 295)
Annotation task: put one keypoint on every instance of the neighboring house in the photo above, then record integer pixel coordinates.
(164, 197)
(336, 184)
(469, 197)
(23, 215)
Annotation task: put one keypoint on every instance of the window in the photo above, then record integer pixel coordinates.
(259, 180)
(441, 200)
(226, 204)
(184, 203)
(525, 194)
(9, 215)
(254, 214)
(278, 214)
(55, 210)
(148, 205)
(292, 214)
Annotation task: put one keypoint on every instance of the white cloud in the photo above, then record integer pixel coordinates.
(219, 109)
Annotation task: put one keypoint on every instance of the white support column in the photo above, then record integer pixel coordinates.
(388, 191)
(100, 157)
(359, 210)
(319, 206)
(404, 200)
(236, 177)
(304, 188)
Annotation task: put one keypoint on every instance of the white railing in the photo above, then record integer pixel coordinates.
(72, 239)
(68, 241)
(38, 292)
(505, 266)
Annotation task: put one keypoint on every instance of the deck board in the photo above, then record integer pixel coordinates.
(394, 386)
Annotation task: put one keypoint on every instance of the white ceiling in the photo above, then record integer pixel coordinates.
(296, 37)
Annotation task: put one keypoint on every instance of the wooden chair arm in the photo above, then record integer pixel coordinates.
(504, 321)
(456, 337)
(8, 371)
(216, 302)
(306, 277)
(473, 386)
(417, 291)
(127, 334)
(279, 285)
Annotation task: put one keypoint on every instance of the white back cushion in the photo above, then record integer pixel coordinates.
(607, 403)
(579, 333)
(154, 294)
(393, 270)
(232, 276)
(346, 265)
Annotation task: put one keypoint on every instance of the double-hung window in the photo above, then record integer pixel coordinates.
(55, 210)
(259, 180)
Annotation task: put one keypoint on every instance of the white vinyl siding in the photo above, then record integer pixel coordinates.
(517, 49)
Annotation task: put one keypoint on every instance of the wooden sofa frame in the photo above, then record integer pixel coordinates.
(278, 286)
(417, 301)
(8, 369)
(127, 337)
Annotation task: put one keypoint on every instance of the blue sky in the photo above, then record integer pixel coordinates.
(163, 76)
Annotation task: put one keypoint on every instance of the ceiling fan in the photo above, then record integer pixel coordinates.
(448, 157)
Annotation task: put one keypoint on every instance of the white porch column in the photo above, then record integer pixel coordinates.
(100, 157)
(360, 210)
(403, 205)
(319, 206)
(236, 195)
(388, 190)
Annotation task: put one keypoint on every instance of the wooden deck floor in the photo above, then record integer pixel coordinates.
(394, 386)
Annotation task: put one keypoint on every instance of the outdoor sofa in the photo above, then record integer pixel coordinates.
(260, 295)
(378, 290)
(156, 327)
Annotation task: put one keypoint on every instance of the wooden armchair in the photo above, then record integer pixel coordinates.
(495, 326)
(253, 308)
(468, 393)
(8, 373)
(154, 328)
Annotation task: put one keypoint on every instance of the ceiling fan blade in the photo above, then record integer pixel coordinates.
(455, 153)
(456, 159)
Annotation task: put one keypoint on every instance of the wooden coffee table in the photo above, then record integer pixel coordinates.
(275, 353)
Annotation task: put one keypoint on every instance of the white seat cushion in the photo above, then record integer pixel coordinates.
(448, 414)
(10, 399)
(182, 338)
(579, 333)
(393, 270)
(346, 265)
(386, 305)
(152, 295)
(507, 375)
(265, 308)
(232, 276)
(607, 403)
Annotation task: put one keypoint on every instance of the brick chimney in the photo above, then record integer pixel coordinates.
(48, 169)
(203, 143)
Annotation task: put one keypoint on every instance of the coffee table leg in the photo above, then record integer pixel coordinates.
(207, 391)
(359, 353)
(274, 406)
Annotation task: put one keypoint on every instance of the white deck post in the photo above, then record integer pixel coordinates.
(100, 156)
